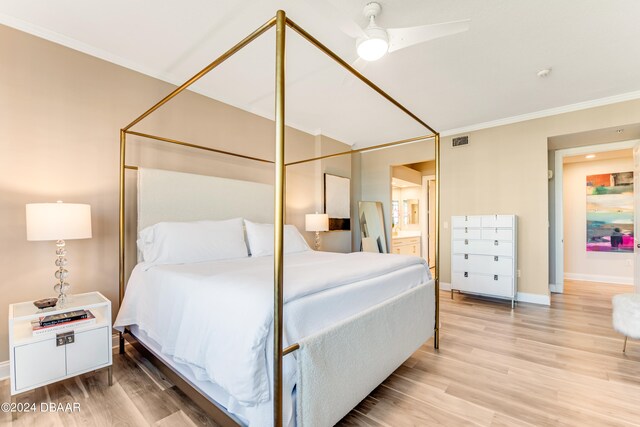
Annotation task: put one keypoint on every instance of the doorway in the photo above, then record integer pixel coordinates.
(412, 213)
(596, 214)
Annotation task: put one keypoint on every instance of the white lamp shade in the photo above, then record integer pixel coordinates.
(316, 222)
(58, 221)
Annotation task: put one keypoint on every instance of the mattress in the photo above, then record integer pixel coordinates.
(320, 289)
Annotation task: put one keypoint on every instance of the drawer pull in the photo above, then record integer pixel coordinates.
(466, 242)
(466, 230)
(495, 243)
(65, 338)
(466, 274)
(495, 258)
(466, 256)
(495, 277)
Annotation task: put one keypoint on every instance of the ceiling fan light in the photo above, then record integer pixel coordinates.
(372, 49)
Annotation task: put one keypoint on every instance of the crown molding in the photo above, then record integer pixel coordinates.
(629, 96)
(72, 43)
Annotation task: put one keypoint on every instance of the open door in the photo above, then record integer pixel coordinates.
(636, 217)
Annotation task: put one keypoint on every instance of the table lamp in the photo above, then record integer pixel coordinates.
(59, 221)
(316, 222)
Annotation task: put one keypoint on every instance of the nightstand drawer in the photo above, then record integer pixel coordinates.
(90, 350)
(38, 363)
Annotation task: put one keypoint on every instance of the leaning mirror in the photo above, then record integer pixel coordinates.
(372, 227)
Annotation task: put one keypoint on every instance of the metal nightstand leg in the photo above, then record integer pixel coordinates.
(14, 414)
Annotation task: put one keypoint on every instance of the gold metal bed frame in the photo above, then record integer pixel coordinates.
(281, 22)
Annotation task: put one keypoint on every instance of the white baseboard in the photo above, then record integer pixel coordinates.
(444, 286)
(4, 370)
(616, 280)
(534, 298)
(554, 288)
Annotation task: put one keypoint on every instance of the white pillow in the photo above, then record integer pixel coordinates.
(260, 238)
(197, 241)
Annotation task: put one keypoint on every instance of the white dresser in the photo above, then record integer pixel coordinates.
(484, 255)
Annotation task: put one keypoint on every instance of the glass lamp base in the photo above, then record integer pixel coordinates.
(62, 287)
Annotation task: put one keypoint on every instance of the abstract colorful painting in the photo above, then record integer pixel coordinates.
(610, 212)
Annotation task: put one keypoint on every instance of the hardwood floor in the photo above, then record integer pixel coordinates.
(534, 366)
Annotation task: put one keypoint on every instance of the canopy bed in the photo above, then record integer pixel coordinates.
(378, 301)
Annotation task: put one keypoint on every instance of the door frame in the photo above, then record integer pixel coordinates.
(424, 226)
(558, 287)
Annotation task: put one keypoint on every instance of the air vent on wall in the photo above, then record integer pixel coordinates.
(460, 141)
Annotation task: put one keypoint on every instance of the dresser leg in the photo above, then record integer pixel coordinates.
(451, 293)
(110, 374)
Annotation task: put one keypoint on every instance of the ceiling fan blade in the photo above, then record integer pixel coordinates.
(399, 38)
(332, 13)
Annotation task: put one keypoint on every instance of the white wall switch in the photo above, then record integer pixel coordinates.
(445, 225)
(518, 272)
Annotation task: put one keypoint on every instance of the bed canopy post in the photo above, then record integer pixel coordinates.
(436, 329)
(123, 149)
(278, 218)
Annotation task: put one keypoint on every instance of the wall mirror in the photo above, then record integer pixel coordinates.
(372, 227)
(412, 211)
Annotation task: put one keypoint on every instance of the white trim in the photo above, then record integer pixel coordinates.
(444, 286)
(533, 298)
(72, 43)
(4, 370)
(616, 280)
(628, 96)
(554, 288)
(559, 219)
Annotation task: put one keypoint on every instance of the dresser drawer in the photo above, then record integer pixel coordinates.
(484, 247)
(407, 250)
(38, 363)
(90, 350)
(399, 241)
(466, 233)
(497, 234)
(494, 221)
(465, 221)
(484, 284)
(486, 264)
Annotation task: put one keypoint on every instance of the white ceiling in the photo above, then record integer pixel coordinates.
(483, 75)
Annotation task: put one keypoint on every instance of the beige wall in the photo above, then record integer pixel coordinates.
(407, 174)
(504, 170)
(373, 171)
(60, 115)
(425, 168)
(599, 266)
(334, 241)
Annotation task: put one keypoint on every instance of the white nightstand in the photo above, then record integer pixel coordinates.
(41, 360)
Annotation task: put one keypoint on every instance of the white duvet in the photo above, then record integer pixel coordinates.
(220, 320)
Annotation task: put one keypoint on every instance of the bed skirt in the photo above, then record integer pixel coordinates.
(339, 366)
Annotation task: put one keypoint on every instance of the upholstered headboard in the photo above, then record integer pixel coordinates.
(176, 196)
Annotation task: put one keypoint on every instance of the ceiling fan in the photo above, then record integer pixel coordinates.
(373, 42)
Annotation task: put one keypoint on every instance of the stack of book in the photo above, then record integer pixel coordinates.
(62, 321)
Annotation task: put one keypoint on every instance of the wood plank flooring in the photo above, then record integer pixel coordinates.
(534, 366)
